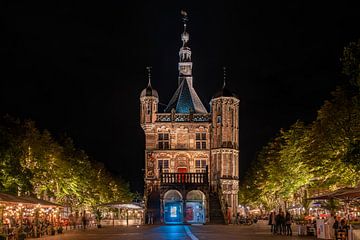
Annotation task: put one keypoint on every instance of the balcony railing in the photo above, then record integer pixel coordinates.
(184, 178)
(181, 117)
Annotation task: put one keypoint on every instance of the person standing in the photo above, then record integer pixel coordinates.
(330, 222)
(272, 222)
(288, 221)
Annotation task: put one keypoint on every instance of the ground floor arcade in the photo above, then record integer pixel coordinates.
(184, 207)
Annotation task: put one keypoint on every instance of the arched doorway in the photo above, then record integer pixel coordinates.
(173, 207)
(195, 207)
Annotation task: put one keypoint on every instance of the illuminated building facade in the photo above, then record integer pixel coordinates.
(191, 155)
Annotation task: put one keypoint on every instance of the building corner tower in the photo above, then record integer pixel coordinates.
(225, 146)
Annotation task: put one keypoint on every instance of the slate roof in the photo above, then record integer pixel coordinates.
(185, 100)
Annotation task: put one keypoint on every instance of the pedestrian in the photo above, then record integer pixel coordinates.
(272, 222)
(151, 218)
(330, 223)
(288, 221)
(237, 218)
(83, 220)
(280, 222)
(229, 215)
(336, 226)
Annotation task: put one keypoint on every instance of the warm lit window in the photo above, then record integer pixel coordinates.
(163, 141)
(164, 165)
(200, 140)
(200, 166)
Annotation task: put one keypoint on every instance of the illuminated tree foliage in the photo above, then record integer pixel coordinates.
(33, 163)
(324, 154)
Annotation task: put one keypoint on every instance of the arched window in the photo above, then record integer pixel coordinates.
(148, 108)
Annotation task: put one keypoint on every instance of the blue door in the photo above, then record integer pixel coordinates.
(173, 212)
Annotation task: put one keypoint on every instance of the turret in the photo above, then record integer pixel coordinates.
(225, 115)
(149, 100)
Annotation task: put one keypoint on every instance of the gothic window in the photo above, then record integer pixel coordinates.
(148, 108)
(163, 141)
(200, 166)
(218, 119)
(164, 165)
(201, 140)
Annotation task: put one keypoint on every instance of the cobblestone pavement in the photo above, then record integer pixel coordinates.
(259, 231)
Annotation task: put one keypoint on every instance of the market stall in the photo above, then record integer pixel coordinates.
(28, 215)
(349, 197)
(126, 214)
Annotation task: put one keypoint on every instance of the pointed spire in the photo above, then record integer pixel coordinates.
(184, 35)
(224, 74)
(149, 75)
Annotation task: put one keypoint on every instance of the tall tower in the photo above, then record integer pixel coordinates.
(185, 98)
(225, 145)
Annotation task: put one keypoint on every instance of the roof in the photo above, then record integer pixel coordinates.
(185, 100)
(8, 198)
(346, 193)
(149, 92)
(122, 205)
(224, 92)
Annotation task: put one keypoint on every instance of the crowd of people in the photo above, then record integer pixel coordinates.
(281, 222)
(29, 228)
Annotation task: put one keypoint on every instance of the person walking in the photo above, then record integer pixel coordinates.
(288, 221)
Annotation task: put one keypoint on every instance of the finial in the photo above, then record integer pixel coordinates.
(224, 73)
(149, 75)
(184, 18)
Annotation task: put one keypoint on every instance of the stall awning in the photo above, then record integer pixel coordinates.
(345, 194)
(26, 200)
(121, 205)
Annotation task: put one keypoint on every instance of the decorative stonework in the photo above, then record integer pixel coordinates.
(193, 137)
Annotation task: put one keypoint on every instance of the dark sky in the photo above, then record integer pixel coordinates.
(79, 67)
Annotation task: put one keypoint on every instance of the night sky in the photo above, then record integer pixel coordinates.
(79, 67)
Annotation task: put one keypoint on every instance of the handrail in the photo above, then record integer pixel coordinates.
(183, 117)
(183, 178)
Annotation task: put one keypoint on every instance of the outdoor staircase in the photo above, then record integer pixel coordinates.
(153, 205)
(216, 214)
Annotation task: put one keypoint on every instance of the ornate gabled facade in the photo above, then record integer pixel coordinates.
(191, 156)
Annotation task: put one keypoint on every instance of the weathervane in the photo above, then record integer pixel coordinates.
(184, 18)
(149, 74)
(224, 74)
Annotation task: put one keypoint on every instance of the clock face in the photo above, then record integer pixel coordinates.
(186, 70)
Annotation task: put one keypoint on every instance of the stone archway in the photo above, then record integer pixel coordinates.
(195, 207)
(173, 207)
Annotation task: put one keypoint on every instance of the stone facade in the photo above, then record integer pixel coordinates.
(187, 139)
